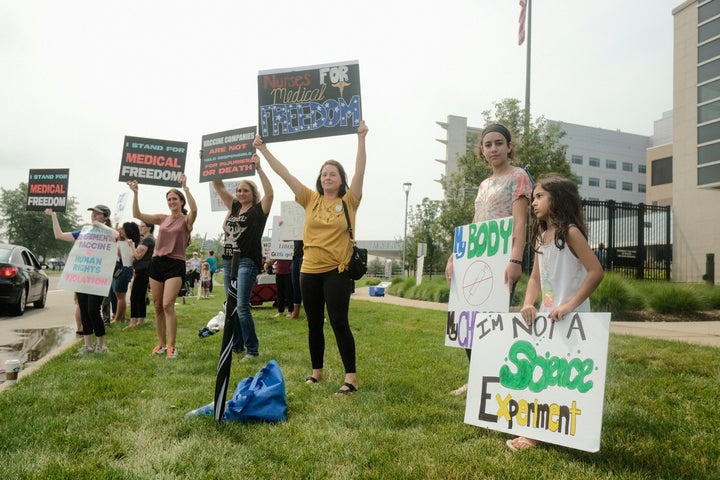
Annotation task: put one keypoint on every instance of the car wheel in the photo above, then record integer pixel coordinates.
(40, 302)
(18, 308)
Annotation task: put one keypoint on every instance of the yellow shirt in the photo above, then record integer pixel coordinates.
(326, 237)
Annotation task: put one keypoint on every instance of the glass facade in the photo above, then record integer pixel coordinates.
(708, 98)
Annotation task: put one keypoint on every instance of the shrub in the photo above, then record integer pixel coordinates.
(616, 295)
(673, 298)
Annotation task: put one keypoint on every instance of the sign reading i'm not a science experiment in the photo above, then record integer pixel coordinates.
(545, 381)
(309, 102)
(481, 252)
(152, 161)
(47, 188)
(227, 154)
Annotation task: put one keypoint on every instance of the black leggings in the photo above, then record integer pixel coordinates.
(138, 307)
(331, 289)
(92, 321)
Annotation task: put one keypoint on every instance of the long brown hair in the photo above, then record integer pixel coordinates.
(565, 209)
(182, 199)
(343, 176)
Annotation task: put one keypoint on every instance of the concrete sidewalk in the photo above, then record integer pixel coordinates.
(702, 333)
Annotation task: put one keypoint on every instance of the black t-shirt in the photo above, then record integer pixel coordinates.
(144, 262)
(243, 233)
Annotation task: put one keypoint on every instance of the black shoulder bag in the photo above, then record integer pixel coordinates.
(358, 262)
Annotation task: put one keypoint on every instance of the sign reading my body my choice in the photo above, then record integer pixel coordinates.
(309, 102)
(227, 154)
(47, 188)
(152, 161)
(481, 252)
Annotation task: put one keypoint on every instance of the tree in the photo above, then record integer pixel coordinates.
(426, 229)
(34, 229)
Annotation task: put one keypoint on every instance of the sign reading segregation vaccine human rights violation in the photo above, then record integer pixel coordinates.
(152, 161)
(91, 262)
(308, 102)
(545, 381)
(481, 252)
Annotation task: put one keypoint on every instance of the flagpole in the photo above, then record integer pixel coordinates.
(527, 67)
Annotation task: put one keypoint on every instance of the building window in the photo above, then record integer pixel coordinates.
(641, 168)
(610, 184)
(594, 182)
(594, 162)
(611, 164)
(708, 71)
(661, 172)
(709, 50)
(709, 91)
(708, 153)
(641, 187)
(627, 186)
(627, 167)
(709, 30)
(709, 175)
(708, 112)
(579, 179)
(708, 133)
(708, 11)
(577, 160)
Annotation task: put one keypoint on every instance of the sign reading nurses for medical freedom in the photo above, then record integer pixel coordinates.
(481, 252)
(545, 381)
(91, 262)
(47, 188)
(227, 154)
(153, 162)
(309, 102)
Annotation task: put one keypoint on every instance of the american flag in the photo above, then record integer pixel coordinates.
(521, 21)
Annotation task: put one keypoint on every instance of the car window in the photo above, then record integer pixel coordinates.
(32, 260)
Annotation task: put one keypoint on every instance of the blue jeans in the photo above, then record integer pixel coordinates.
(238, 344)
(244, 322)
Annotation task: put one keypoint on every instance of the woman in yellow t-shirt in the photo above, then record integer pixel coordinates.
(324, 279)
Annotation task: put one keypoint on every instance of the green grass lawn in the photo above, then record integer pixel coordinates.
(121, 415)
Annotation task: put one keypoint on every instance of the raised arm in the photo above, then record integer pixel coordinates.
(277, 167)
(192, 206)
(57, 231)
(268, 194)
(356, 185)
(145, 217)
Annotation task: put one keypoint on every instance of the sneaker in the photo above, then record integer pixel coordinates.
(84, 350)
(171, 352)
(279, 314)
(159, 350)
(101, 349)
(460, 391)
(248, 357)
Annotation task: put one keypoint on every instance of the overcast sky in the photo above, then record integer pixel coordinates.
(78, 76)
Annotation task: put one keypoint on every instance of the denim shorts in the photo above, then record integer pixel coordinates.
(121, 282)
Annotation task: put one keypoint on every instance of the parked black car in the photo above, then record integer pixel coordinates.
(22, 279)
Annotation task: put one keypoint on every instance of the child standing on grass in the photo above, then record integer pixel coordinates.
(565, 270)
(205, 279)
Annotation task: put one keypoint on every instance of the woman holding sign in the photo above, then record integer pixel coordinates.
(167, 266)
(324, 279)
(506, 193)
(89, 305)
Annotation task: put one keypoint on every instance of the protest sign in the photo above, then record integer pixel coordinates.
(227, 154)
(216, 203)
(293, 215)
(47, 188)
(309, 102)
(91, 262)
(279, 250)
(545, 381)
(152, 161)
(481, 252)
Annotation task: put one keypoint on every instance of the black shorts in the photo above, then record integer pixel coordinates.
(164, 268)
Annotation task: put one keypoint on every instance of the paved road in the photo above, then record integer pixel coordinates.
(703, 333)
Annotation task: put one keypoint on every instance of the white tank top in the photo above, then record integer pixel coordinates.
(561, 274)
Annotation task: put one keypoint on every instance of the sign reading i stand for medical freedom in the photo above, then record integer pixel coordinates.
(481, 251)
(545, 381)
(227, 154)
(152, 161)
(91, 262)
(47, 188)
(308, 102)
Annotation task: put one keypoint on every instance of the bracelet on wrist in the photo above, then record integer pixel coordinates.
(518, 262)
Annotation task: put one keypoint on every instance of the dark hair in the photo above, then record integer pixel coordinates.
(502, 130)
(132, 231)
(565, 209)
(182, 198)
(150, 227)
(343, 176)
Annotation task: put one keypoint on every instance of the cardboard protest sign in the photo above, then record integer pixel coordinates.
(545, 381)
(309, 102)
(216, 203)
(481, 252)
(227, 154)
(91, 262)
(152, 161)
(47, 188)
(293, 215)
(279, 250)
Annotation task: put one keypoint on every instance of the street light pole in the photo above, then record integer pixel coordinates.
(406, 187)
